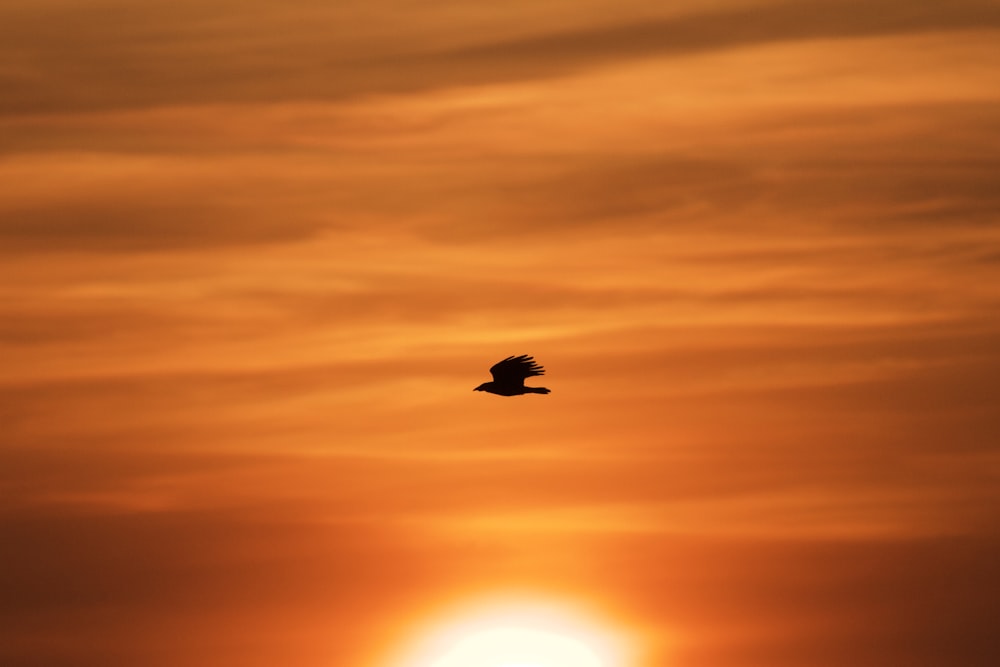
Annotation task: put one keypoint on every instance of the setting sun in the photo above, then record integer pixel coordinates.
(516, 636)
(518, 647)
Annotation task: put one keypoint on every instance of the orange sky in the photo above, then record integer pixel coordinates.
(255, 256)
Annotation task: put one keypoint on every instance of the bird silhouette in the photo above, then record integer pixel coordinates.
(509, 376)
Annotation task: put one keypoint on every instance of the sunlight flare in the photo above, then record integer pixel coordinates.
(518, 647)
(516, 636)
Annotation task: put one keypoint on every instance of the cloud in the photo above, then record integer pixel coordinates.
(150, 226)
(716, 30)
(195, 572)
(107, 202)
(803, 142)
(752, 245)
(861, 602)
(188, 53)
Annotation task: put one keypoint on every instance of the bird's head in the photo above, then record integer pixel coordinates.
(482, 387)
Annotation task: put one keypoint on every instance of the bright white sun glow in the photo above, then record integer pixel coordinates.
(515, 635)
(518, 647)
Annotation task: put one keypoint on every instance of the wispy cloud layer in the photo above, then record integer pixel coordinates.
(116, 54)
(256, 256)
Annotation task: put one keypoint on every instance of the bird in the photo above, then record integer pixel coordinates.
(509, 376)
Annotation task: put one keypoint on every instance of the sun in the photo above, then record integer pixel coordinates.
(518, 647)
(515, 635)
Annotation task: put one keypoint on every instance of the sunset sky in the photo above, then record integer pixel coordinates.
(255, 255)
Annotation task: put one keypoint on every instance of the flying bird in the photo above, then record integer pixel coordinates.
(509, 376)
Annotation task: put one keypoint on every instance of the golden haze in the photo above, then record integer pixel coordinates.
(256, 255)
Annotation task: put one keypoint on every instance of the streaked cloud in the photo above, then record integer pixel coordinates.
(116, 54)
(256, 257)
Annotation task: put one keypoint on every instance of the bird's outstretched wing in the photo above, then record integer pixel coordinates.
(514, 370)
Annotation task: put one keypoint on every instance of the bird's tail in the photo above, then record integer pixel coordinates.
(536, 390)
